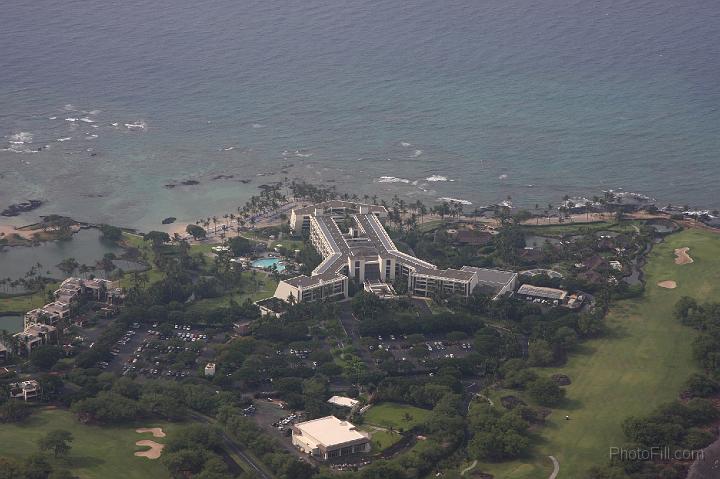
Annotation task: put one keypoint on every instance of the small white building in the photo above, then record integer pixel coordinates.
(329, 437)
(210, 370)
(25, 390)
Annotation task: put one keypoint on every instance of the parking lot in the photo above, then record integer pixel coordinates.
(419, 353)
(153, 354)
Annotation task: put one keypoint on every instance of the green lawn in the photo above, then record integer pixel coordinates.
(266, 288)
(97, 452)
(642, 362)
(381, 439)
(396, 416)
(24, 303)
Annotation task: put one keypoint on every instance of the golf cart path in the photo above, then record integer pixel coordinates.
(556, 467)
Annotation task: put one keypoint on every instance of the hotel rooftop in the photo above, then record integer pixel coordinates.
(365, 253)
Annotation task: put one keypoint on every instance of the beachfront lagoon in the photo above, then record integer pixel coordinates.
(86, 246)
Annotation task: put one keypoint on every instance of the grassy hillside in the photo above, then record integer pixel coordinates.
(642, 362)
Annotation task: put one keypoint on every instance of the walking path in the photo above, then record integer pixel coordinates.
(556, 467)
(469, 468)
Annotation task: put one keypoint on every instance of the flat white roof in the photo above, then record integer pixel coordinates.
(330, 431)
(542, 292)
(343, 401)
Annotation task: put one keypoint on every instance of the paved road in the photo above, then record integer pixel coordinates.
(556, 467)
(232, 447)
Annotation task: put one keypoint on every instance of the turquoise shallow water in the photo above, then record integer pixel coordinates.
(471, 100)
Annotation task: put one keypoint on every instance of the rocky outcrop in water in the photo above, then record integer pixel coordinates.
(18, 208)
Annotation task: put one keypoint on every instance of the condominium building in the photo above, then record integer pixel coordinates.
(36, 335)
(329, 437)
(355, 246)
(51, 313)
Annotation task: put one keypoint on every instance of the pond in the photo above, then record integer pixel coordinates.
(11, 324)
(663, 227)
(532, 241)
(86, 247)
(267, 263)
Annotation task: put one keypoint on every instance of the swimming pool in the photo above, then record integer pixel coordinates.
(268, 263)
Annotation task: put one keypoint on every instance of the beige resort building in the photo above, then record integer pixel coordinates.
(355, 246)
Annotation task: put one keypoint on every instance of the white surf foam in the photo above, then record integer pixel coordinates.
(417, 153)
(64, 139)
(392, 179)
(502, 177)
(71, 119)
(300, 154)
(91, 137)
(52, 118)
(69, 107)
(405, 144)
(138, 125)
(87, 120)
(455, 200)
(436, 178)
(258, 125)
(21, 138)
(19, 143)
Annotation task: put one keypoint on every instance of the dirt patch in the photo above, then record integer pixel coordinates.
(152, 453)
(156, 431)
(668, 284)
(682, 256)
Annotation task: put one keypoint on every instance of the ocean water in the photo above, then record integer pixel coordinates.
(478, 101)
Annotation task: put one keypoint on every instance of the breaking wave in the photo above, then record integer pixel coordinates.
(392, 179)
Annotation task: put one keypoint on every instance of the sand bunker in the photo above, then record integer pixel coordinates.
(152, 453)
(156, 431)
(667, 284)
(682, 256)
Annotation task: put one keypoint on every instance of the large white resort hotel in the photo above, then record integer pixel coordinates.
(354, 245)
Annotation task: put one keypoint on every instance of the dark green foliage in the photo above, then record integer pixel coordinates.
(45, 357)
(496, 435)
(196, 231)
(58, 441)
(111, 233)
(545, 392)
(14, 411)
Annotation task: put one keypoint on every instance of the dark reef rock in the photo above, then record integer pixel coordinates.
(189, 182)
(24, 207)
(169, 220)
